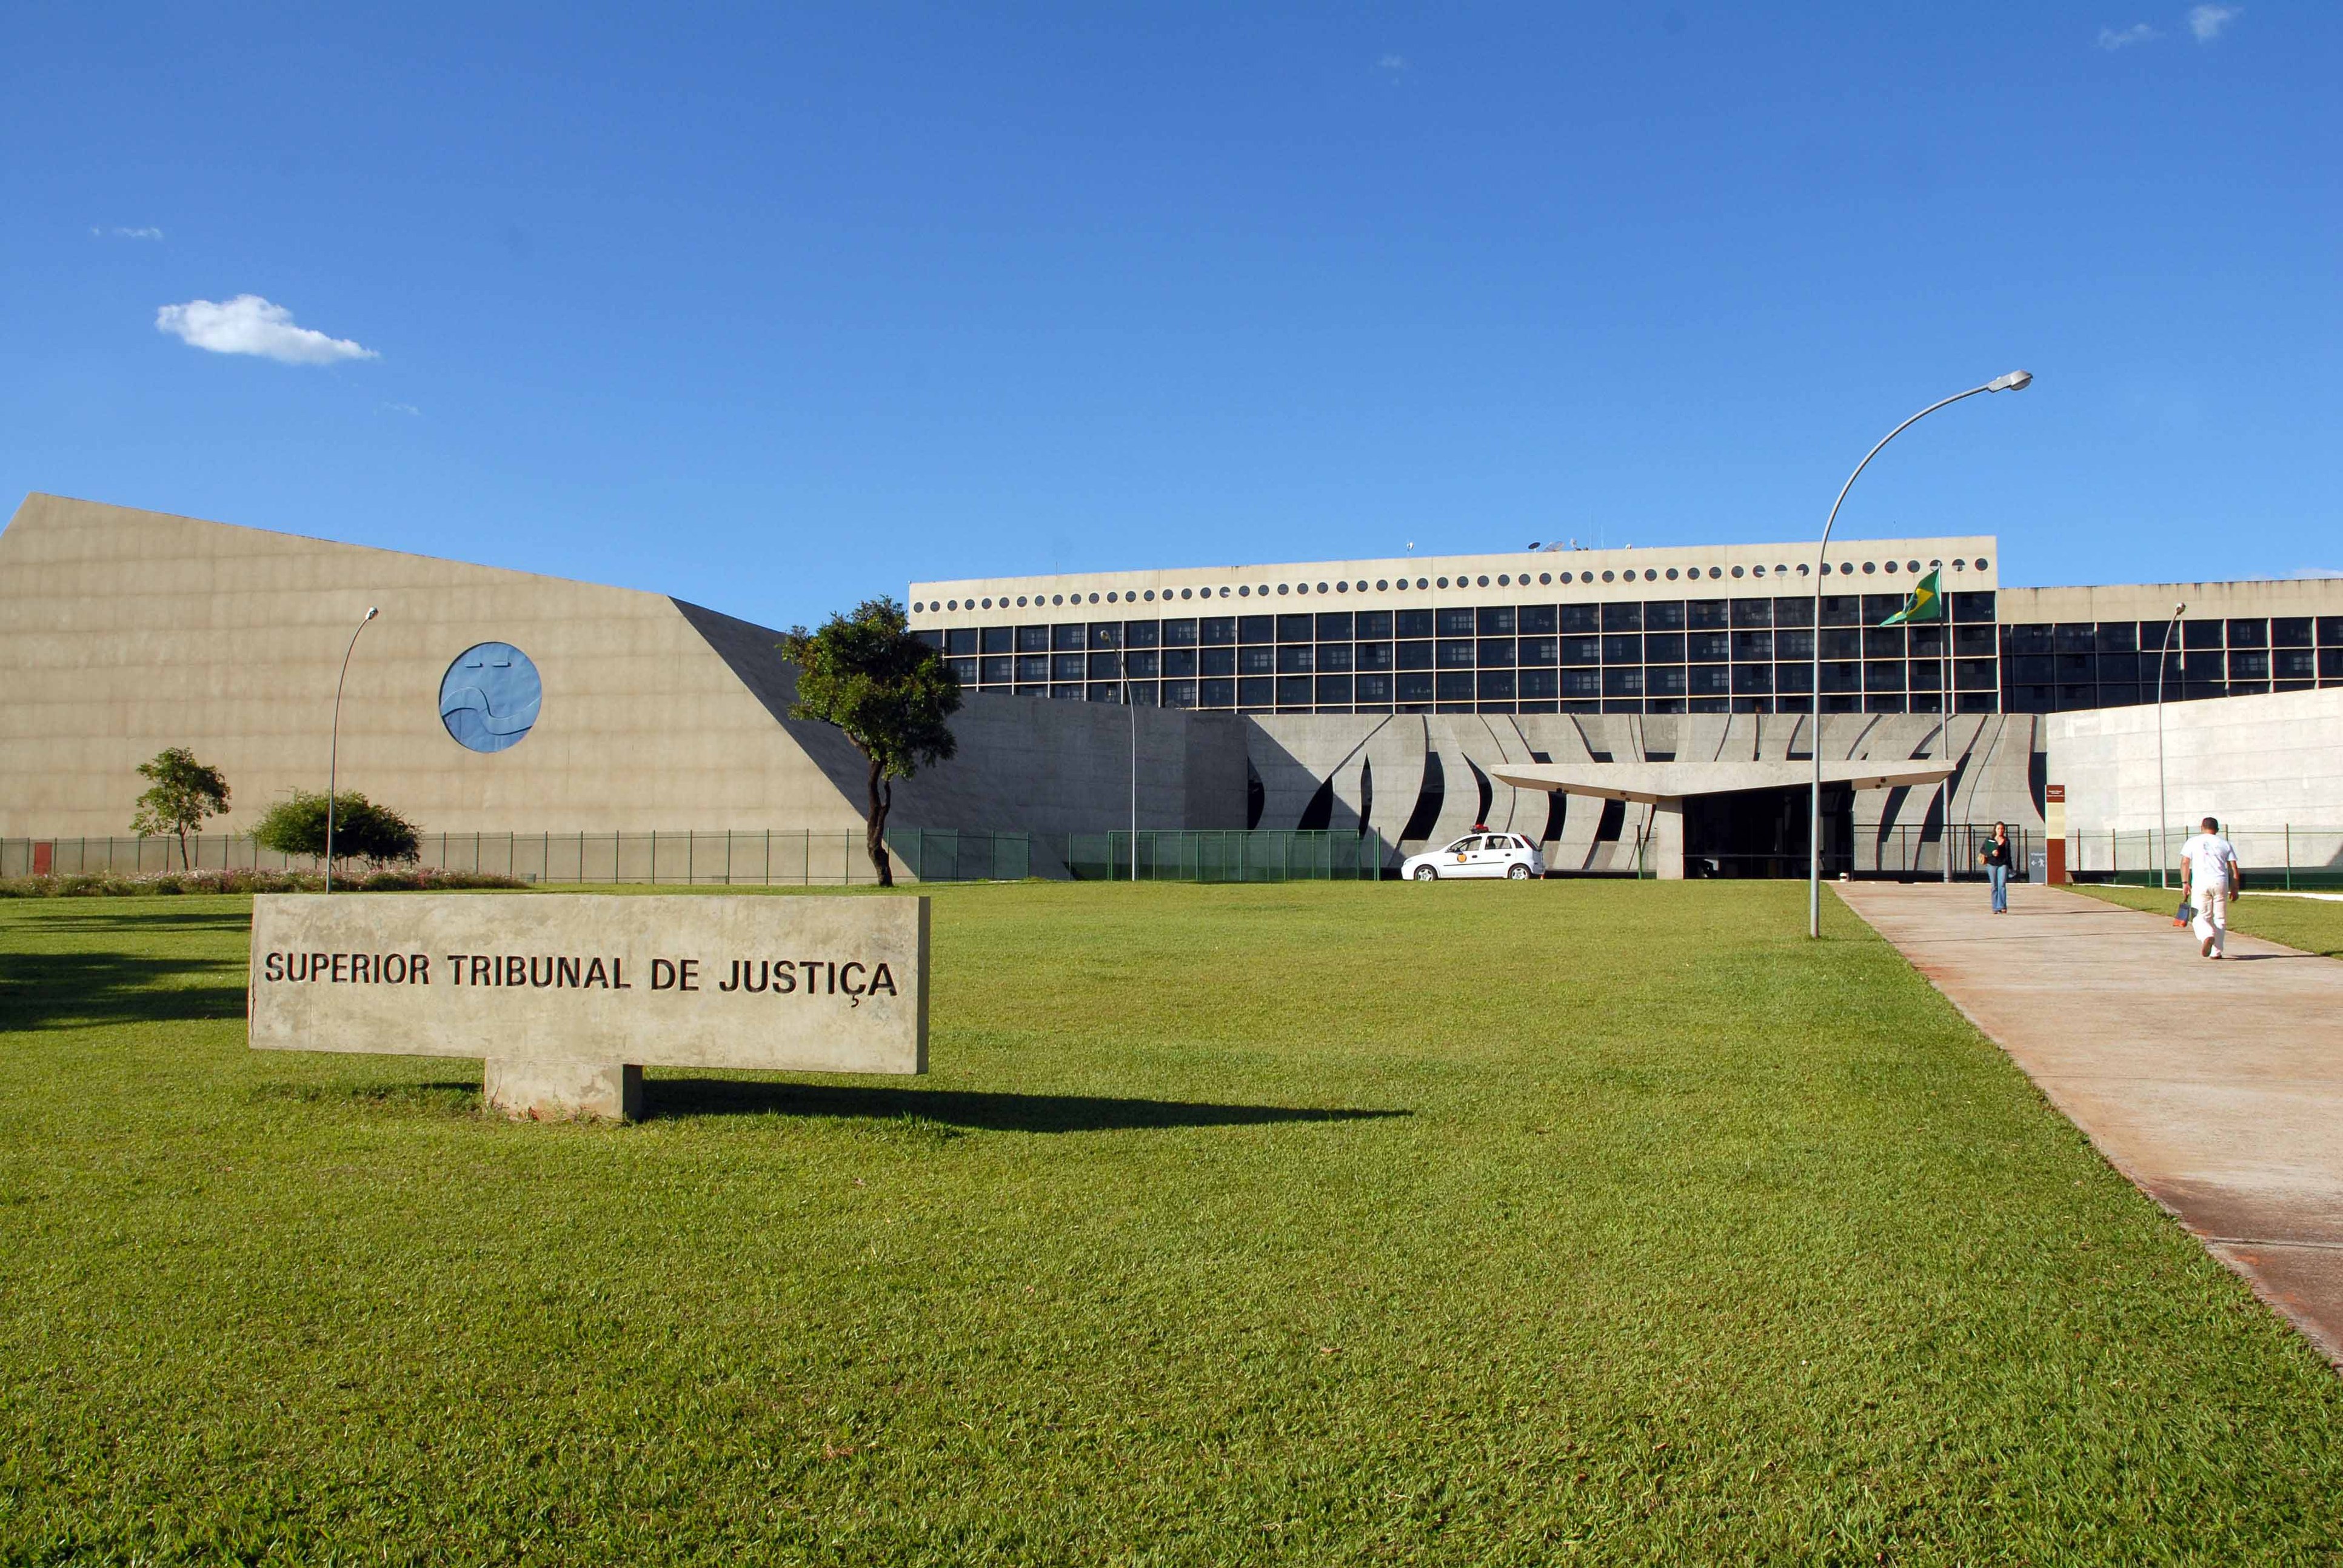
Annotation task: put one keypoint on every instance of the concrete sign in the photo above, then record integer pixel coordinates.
(568, 998)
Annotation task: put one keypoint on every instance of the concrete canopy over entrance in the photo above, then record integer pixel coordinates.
(1665, 786)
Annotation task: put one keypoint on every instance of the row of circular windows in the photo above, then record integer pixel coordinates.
(1504, 579)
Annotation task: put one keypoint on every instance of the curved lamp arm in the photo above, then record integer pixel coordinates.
(333, 754)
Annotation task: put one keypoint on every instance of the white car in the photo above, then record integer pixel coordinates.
(1482, 854)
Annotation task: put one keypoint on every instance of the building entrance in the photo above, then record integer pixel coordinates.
(1763, 832)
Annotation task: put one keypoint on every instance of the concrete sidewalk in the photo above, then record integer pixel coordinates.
(2216, 1087)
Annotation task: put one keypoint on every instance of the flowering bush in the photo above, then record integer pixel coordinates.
(101, 884)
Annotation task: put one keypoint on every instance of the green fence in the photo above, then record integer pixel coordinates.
(1228, 855)
(756, 859)
(2288, 855)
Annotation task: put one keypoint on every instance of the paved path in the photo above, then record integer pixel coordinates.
(2235, 1126)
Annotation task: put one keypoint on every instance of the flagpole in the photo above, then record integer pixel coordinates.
(2016, 381)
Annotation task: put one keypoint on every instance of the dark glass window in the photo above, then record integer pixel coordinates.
(1333, 657)
(1069, 639)
(1663, 614)
(2330, 663)
(1254, 659)
(1974, 674)
(1142, 634)
(996, 671)
(1622, 614)
(1623, 650)
(1217, 629)
(1415, 655)
(2033, 668)
(1496, 686)
(1333, 691)
(1752, 680)
(2200, 634)
(1842, 642)
(2248, 664)
(1179, 661)
(961, 639)
(1878, 607)
(2123, 666)
(1412, 688)
(2118, 636)
(1219, 662)
(1797, 644)
(1541, 649)
(1842, 609)
(1294, 659)
(2119, 695)
(2074, 637)
(1975, 641)
(1534, 619)
(1582, 618)
(2290, 631)
(1178, 634)
(1794, 678)
(1067, 693)
(1105, 666)
(2078, 667)
(1335, 627)
(1708, 615)
(1376, 688)
(2030, 637)
(1664, 680)
(1496, 653)
(1033, 639)
(1373, 625)
(1976, 607)
(1799, 611)
(1708, 647)
(1494, 620)
(1883, 675)
(1255, 691)
(1748, 646)
(1256, 629)
(1582, 683)
(1626, 681)
(1662, 647)
(2291, 664)
(1145, 664)
(1415, 623)
(1753, 612)
(2330, 631)
(1068, 667)
(1216, 694)
(1540, 685)
(1883, 642)
(1709, 680)
(1106, 634)
(934, 640)
(1295, 628)
(1456, 622)
(1842, 677)
(1372, 655)
(1456, 686)
(1000, 639)
(1033, 666)
(1178, 694)
(1455, 653)
(1293, 690)
(2249, 633)
(1581, 650)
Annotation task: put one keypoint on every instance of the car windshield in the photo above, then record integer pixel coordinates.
(1463, 846)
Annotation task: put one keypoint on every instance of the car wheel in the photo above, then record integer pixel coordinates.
(1518, 872)
(1427, 874)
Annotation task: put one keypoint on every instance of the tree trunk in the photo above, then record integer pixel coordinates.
(882, 799)
(183, 864)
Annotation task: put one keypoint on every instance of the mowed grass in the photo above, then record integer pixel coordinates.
(1325, 1223)
(2311, 925)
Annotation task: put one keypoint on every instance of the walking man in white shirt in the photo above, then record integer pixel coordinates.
(2208, 869)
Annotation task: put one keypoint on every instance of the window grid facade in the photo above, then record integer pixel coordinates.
(1709, 655)
(2051, 668)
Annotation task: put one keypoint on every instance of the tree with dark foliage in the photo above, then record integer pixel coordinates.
(183, 792)
(362, 829)
(888, 690)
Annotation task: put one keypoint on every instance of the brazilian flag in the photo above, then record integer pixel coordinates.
(1925, 602)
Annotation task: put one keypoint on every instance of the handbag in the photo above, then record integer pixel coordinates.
(2185, 913)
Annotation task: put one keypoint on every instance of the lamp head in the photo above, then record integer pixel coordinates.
(2015, 381)
(372, 612)
(2179, 607)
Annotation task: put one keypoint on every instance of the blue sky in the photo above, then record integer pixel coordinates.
(779, 308)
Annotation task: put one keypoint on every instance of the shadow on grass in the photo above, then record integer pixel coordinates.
(76, 991)
(665, 1098)
(79, 915)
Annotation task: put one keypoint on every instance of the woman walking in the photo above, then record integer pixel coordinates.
(1994, 858)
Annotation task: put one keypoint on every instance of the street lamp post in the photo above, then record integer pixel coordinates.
(334, 753)
(2162, 809)
(2015, 381)
(1135, 754)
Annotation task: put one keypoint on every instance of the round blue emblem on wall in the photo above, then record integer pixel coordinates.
(490, 697)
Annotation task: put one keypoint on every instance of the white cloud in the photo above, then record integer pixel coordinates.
(250, 325)
(408, 409)
(119, 232)
(1393, 62)
(2207, 21)
(2308, 574)
(2113, 38)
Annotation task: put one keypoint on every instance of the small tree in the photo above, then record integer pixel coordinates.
(362, 829)
(888, 690)
(183, 792)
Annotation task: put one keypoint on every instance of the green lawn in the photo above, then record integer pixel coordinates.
(2313, 925)
(1322, 1223)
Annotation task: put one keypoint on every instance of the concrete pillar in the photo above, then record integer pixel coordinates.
(1664, 849)
(559, 1089)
